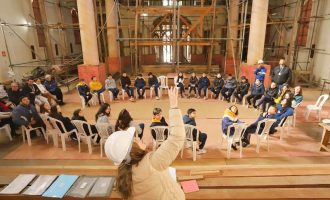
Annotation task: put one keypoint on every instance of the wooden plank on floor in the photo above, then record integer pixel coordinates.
(264, 193)
(269, 182)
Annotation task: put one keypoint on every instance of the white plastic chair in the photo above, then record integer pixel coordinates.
(26, 132)
(160, 135)
(60, 126)
(190, 140)
(82, 134)
(264, 135)
(95, 98)
(6, 128)
(50, 130)
(295, 114)
(152, 91)
(110, 96)
(144, 95)
(239, 129)
(102, 130)
(284, 126)
(163, 81)
(317, 106)
(82, 100)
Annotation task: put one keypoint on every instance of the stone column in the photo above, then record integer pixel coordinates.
(257, 31)
(91, 66)
(112, 23)
(233, 29)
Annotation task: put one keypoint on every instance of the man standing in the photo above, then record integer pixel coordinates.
(260, 72)
(281, 74)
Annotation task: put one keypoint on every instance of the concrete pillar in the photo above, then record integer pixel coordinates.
(88, 32)
(112, 23)
(91, 66)
(257, 31)
(233, 29)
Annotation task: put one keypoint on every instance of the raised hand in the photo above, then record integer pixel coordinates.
(173, 97)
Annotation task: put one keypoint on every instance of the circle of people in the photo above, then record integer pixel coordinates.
(17, 105)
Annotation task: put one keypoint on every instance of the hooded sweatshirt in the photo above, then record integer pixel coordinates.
(228, 119)
(95, 85)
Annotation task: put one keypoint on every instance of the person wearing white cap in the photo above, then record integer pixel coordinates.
(142, 174)
(260, 72)
(51, 85)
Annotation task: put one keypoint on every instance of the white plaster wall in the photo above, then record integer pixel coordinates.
(20, 12)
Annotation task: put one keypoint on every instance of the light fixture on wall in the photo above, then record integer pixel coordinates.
(144, 14)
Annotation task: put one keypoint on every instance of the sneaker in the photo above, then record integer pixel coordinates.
(205, 98)
(201, 151)
(198, 97)
(157, 98)
(234, 147)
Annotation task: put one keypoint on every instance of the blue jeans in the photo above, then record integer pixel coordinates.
(156, 87)
(115, 92)
(139, 92)
(129, 91)
(98, 92)
(200, 88)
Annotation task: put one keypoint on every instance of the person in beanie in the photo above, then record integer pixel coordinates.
(143, 174)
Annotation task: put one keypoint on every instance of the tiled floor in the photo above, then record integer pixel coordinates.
(302, 141)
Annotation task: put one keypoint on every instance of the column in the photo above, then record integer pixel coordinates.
(91, 66)
(233, 29)
(112, 23)
(257, 31)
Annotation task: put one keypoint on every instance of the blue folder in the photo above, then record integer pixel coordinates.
(60, 186)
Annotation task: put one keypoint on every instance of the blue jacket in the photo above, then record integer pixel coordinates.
(257, 90)
(153, 81)
(283, 113)
(27, 112)
(188, 120)
(50, 85)
(83, 89)
(260, 73)
(140, 83)
(226, 122)
(203, 82)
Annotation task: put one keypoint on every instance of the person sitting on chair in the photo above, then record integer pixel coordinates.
(230, 117)
(140, 85)
(180, 83)
(44, 91)
(242, 89)
(257, 90)
(269, 96)
(297, 96)
(217, 85)
(126, 85)
(56, 113)
(15, 93)
(251, 129)
(97, 88)
(51, 85)
(102, 117)
(285, 89)
(158, 120)
(153, 83)
(284, 110)
(193, 81)
(190, 118)
(84, 91)
(33, 92)
(110, 85)
(229, 88)
(125, 121)
(25, 114)
(203, 84)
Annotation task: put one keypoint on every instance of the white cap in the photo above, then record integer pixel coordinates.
(260, 62)
(119, 144)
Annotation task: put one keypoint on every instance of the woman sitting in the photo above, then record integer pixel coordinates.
(45, 108)
(284, 110)
(230, 117)
(102, 116)
(143, 174)
(193, 81)
(96, 87)
(55, 112)
(297, 96)
(125, 121)
(79, 115)
(45, 92)
(179, 83)
(285, 89)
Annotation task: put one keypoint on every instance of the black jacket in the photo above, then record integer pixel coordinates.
(125, 81)
(218, 83)
(281, 76)
(271, 92)
(161, 123)
(193, 81)
(152, 81)
(203, 82)
(14, 96)
(31, 92)
(243, 88)
(257, 90)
